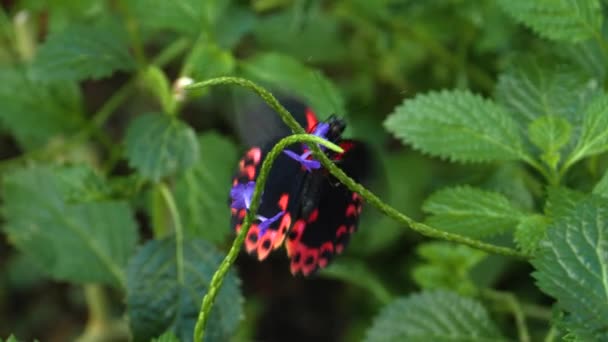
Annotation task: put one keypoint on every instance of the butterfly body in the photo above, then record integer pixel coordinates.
(303, 207)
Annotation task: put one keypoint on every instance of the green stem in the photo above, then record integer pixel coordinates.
(423, 229)
(510, 301)
(179, 231)
(218, 277)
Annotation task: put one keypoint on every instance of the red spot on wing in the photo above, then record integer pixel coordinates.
(313, 216)
(311, 120)
(283, 202)
(254, 154)
(351, 210)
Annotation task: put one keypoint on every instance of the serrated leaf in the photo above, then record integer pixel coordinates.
(446, 266)
(587, 56)
(83, 51)
(472, 212)
(561, 201)
(81, 242)
(550, 133)
(202, 191)
(593, 138)
(357, 273)
(562, 20)
(182, 16)
(35, 113)
(164, 294)
(158, 145)
(572, 266)
(433, 316)
(530, 232)
(601, 188)
(457, 125)
(289, 75)
(532, 88)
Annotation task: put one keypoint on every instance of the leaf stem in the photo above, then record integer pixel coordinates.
(179, 231)
(512, 303)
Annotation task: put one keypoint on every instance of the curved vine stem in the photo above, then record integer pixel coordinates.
(371, 198)
(218, 277)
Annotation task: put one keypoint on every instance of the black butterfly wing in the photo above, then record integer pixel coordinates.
(281, 191)
(329, 213)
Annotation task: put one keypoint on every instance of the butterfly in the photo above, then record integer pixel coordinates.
(303, 207)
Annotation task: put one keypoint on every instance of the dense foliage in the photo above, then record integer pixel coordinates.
(488, 120)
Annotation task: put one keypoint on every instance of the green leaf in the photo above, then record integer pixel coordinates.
(530, 232)
(472, 212)
(572, 266)
(562, 20)
(404, 170)
(81, 242)
(593, 138)
(282, 32)
(601, 188)
(158, 145)
(446, 266)
(287, 74)
(457, 125)
(202, 191)
(357, 273)
(182, 16)
(550, 133)
(433, 316)
(165, 294)
(210, 61)
(535, 87)
(168, 336)
(34, 113)
(561, 202)
(83, 51)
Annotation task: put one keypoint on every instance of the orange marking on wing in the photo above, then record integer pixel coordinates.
(249, 171)
(283, 201)
(242, 213)
(294, 236)
(265, 244)
(252, 240)
(282, 231)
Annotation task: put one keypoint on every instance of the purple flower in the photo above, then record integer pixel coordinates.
(321, 130)
(241, 195)
(309, 164)
(266, 222)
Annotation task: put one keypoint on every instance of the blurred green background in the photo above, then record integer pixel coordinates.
(356, 58)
